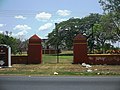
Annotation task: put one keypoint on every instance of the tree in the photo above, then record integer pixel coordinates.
(87, 28)
(112, 7)
(104, 32)
(67, 30)
(8, 40)
(100, 36)
(1, 36)
(63, 34)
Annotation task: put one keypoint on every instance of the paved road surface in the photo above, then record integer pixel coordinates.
(59, 83)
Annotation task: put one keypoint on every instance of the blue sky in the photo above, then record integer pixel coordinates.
(25, 18)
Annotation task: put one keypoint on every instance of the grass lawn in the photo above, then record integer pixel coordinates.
(63, 68)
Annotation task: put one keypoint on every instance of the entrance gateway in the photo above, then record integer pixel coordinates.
(5, 56)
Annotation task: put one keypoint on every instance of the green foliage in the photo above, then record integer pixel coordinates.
(65, 31)
(112, 7)
(110, 21)
(15, 44)
(99, 30)
(10, 41)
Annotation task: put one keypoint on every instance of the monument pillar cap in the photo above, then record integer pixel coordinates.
(35, 39)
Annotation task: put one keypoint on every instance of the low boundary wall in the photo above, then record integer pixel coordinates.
(109, 59)
(95, 59)
(19, 59)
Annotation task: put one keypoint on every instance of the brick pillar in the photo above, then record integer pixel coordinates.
(34, 50)
(80, 49)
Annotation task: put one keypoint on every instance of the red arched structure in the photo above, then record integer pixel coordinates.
(80, 49)
(34, 50)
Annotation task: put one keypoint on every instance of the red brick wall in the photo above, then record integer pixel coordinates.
(93, 59)
(19, 59)
(34, 53)
(80, 53)
(109, 59)
(80, 49)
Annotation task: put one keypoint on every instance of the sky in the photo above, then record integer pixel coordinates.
(25, 18)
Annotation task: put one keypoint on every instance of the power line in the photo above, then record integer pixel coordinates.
(27, 12)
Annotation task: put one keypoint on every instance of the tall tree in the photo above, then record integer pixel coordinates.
(112, 7)
(65, 31)
(8, 40)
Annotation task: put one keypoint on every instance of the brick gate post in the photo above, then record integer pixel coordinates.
(80, 49)
(34, 50)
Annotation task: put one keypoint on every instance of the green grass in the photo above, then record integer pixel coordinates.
(53, 59)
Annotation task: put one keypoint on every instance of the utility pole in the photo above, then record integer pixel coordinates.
(92, 39)
(57, 45)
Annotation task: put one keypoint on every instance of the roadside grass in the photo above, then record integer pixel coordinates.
(63, 68)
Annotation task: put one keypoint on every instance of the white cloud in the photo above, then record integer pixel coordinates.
(43, 16)
(1, 25)
(77, 17)
(59, 20)
(63, 12)
(21, 33)
(20, 17)
(22, 27)
(45, 26)
(1, 31)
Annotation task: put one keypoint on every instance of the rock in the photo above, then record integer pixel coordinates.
(98, 73)
(29, 76)
(89, 70)
(84, 64)
(95, 69)
(88, 66)
(55, 73)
